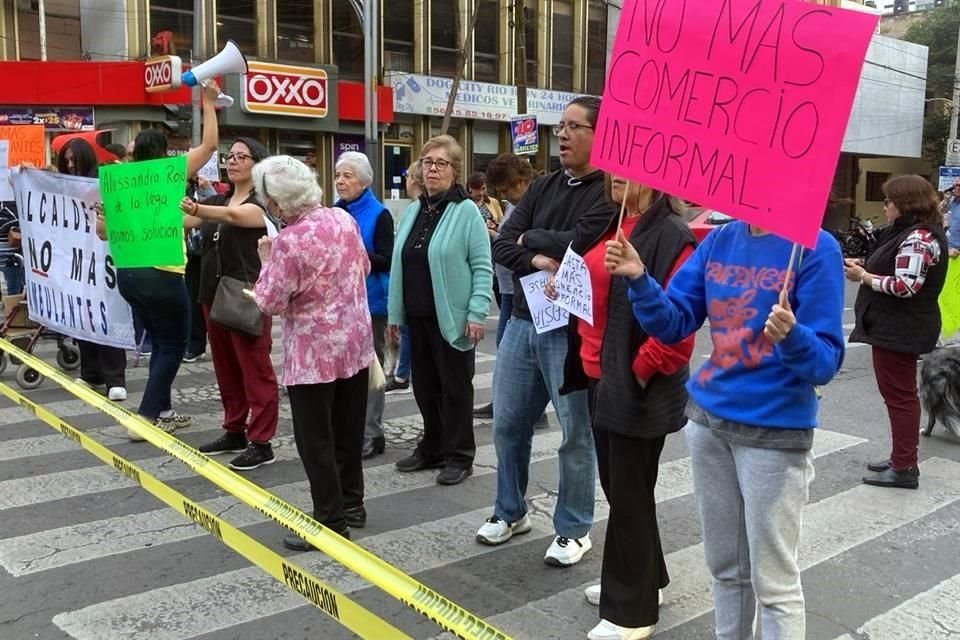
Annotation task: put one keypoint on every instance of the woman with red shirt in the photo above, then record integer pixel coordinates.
(637, 397)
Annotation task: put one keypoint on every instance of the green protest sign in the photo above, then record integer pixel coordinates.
(141, 206)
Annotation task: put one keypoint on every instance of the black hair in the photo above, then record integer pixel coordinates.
(150, 144)
(592, 106)
(476, 180)
(117, 149)
(84, 158)
(257, 151)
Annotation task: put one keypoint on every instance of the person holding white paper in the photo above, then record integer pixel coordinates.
(637, 397)
(777, 334)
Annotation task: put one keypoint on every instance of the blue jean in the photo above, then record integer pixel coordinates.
(523, 382)
(751, 504)
(160, 299)
(506, 310)
(403, 362)
(140, 335)
(13, 278)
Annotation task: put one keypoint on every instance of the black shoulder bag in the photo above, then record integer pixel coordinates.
(232, 309)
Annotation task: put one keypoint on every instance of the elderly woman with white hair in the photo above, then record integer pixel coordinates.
(353, 178)
(313, 276)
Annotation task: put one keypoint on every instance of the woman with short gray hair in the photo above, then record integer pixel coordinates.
(313, 277)
(353, 178)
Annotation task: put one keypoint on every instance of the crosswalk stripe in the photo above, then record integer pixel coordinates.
(196, 607)
(831, 527)
(931, 615)
(112, 536)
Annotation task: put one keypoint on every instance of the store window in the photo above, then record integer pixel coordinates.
(398, 36)
(444, 18)
(562, 41)
(875, 182)
(531, 41)
(486, 144)
(486, 39)
(237, 21)
(171, 27)
(297, 144)
(347, 40)
(295, 31)
(596, 47)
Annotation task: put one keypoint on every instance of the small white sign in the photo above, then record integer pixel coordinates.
(953, 152)
(546, 315)
(394, 194)
(211, 170)
(6, 189)
(271, 228)
(574, 289)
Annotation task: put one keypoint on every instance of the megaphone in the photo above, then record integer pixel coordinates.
(230, 60)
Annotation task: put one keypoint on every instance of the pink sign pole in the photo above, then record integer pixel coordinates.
(738, 105)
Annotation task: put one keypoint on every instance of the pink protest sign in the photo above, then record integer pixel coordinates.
(738, 105)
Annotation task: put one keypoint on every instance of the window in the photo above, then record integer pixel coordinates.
(295, 30)
(486, 39)
(347, 40)
(397, 35)
(875, 182)
(562, 34)
(486, 144)
(444, 19)
(596, 47)
(171, 27)
(531, 30)
(237, 21)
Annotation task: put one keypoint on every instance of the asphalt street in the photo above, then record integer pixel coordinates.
(87, 554)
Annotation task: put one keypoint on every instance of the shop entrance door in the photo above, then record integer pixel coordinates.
(396, 159)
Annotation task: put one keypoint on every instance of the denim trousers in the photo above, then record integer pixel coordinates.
(160, 299)
(506, 310)
(523, 383)
(403, 364)
(751, 504)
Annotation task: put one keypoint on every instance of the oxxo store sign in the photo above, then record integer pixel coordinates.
(285, 91)
(162, 74)
(280, 96)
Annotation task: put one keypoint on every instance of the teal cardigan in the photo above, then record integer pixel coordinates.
(461, 268)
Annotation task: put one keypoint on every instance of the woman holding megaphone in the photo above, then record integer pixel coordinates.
(159, 294)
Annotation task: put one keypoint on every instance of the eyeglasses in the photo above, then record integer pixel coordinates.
(440, 165)
(239, 157)
(887, 202)
(572, 127)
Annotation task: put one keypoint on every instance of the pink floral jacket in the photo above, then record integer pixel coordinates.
(315, 280)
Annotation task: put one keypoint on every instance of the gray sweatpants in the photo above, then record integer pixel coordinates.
(751, 501)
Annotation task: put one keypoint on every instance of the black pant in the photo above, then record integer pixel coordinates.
(443, 388)
(197, 342)
(100, 364)
(633, 565)
(328, 428)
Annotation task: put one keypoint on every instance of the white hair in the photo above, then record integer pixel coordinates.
(288, 182)
(360, 164)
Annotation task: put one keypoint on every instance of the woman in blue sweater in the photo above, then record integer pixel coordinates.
(753, 405)
(442, 276)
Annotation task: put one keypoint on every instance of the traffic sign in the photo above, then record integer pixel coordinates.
(953, 152)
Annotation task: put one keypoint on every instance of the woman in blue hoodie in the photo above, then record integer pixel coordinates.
(352, 181)
(753, 405)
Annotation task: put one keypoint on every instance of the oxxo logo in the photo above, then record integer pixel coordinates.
(285, 91)
(162, 74)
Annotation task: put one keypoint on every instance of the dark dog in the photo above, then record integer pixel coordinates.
(940, 389)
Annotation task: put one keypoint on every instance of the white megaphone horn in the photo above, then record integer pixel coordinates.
(230, 60)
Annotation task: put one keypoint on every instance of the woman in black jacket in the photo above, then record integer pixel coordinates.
(636, 398)
(898, 314)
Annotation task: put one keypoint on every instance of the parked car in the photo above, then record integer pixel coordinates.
(703, 221)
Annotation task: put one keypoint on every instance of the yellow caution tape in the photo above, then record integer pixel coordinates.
(324, 597)
(446, 614)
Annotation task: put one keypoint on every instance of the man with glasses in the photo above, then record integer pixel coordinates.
(557, 210)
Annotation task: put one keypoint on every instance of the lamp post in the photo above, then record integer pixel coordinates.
(368, 12)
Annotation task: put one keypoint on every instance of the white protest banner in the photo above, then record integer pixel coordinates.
(71, 279)
(211, 170)
(546, 315)
(271, 228)
(574, 289)
(6, 190)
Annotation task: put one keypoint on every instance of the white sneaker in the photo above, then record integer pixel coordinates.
(609, 631)
(496, 531)
(593, 595)
(117, 394)
(566, 552)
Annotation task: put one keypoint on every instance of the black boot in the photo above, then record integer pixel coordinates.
(373, 447)
(484, 411)
(905, 479)
(356, 516)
